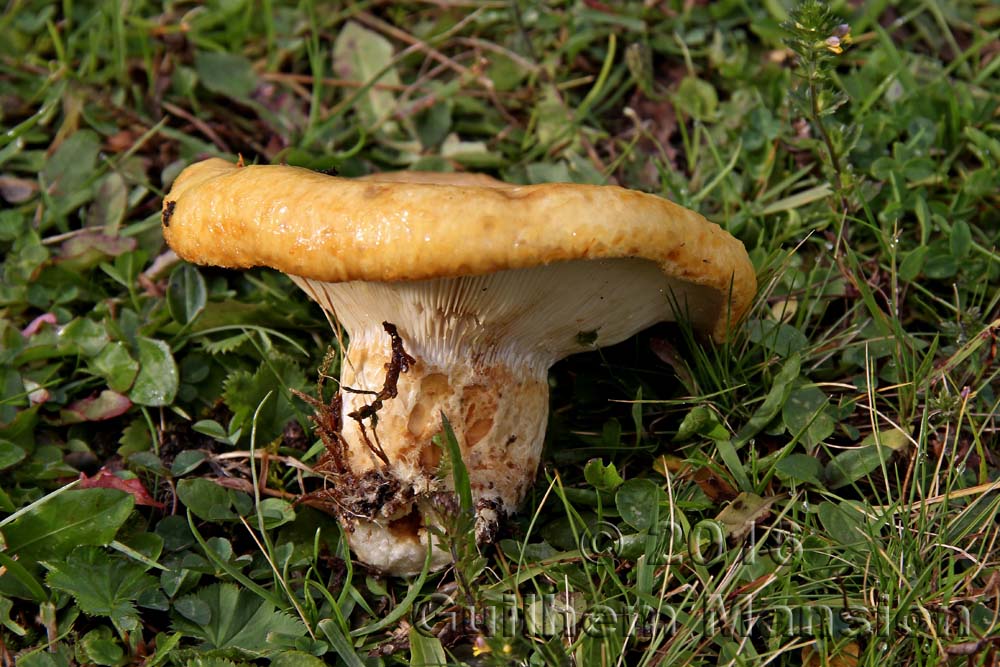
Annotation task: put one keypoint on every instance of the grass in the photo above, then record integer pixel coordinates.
(820, 490)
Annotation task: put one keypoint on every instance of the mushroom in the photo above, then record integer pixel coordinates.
(458, 292)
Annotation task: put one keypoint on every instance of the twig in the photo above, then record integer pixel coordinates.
(399, 362)
(282, 77)
(289, 461)
(201, 125)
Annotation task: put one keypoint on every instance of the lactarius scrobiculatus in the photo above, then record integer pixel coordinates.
(457, 292)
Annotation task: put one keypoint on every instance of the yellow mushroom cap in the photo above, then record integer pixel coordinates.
(417, 226)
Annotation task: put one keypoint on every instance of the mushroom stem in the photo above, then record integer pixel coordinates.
(498, 411)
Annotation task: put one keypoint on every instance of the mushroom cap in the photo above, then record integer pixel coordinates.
(416, 226)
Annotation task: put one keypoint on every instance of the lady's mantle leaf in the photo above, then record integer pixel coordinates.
(102, 585)
(238, 619)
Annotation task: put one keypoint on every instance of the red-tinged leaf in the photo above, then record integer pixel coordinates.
(17, 190)
(669, 355)
(37, 394)
(36, 324)
(106, 405)
(105, 479)
(599, 6)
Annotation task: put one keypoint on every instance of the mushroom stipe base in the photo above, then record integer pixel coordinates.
(390, 509)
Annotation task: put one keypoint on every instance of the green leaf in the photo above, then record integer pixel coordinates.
(214, 661)
(852, 465)
(800, 468)
(135, 437)
(276, 512)
(211, 428)
(701, 421)
(18, 581)
(84, 336)
(194, 609)
(6, 504)
(892, 438)
(731, 460)
(144, 548)
(222, 550)
(116, 366)
(147, 460)
(227, 74)
(363, 55)
(225, 345)
(611, 433)
(426, 651)
(10, 454)
(244, 393)
(637, 416)
(186, 294)
(778, 337)
(60, 657)
(433, 124)
(961, 239)
(109, 205)
(471, 153)
(638, 502)
(157, 381)
(68, 169)
(341, 644)
(165, 645)
(76, 517)
(300, 659)
(912, 264)
(807, 409)
(187, 461)
(989, 146)
(459, 473)
(102, 585)
(697, 98)
(173, 581)
(602, 477)
(940, 263)
(980, 182)
(206, 499)
(6, 621)
(100, 648)
(843, 523)
(238, 619)
(773, 402)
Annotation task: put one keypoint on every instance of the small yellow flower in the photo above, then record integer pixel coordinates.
(833, 44)
(479, 646)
